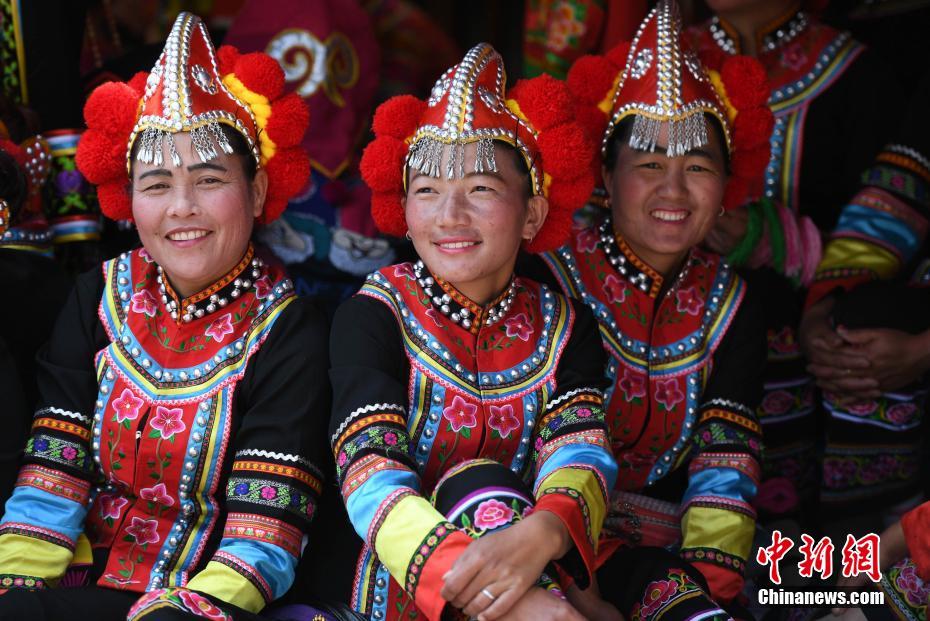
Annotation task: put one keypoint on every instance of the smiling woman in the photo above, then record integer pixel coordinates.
(180, 391)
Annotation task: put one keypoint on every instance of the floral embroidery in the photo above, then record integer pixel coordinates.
(430, 543)
(461, 414)
(271, 494)
(492, 514)
(263, 287)
(777, 495)
(657, 593)
(143, 531)
(200, 605)
(915, 590)
(614, 289)
(433, 314)
(689, 301)
(503, 420)
(863, 408)
(145, 256)
(405, 270)
(167, 421)
(587, 240)
(793, 57)
(519, 326)
(127, 406)
(633, 385)
(901, 413)
(111, 506)
(14, 581)
(220, 328)
(157, 494)
(668, 394)
(564, 27)
(777, 402)
(143, 302)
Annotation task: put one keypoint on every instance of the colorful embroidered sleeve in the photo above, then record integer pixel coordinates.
(718, 519)
(916, 526)
(273, 486)
(45, 514)
(575, 469)
(377, 476)
(882, 227)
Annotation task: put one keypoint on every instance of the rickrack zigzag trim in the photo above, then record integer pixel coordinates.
(374, 407)
(60, 412)
(270, 455)
(586, 390)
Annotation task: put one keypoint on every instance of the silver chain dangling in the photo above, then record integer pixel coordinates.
(175, 156)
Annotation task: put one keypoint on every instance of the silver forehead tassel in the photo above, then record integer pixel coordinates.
(220, 136)
(175, 156)
(456, 162)
(425, 156)
(484, 156)
(683, 135)
(200, 137)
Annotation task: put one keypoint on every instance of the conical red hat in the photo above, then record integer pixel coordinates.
(185, 93)
(664, 82)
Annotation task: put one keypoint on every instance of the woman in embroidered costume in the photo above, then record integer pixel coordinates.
(823, 84)
(683, 339)
(467, 402)
(169, 458)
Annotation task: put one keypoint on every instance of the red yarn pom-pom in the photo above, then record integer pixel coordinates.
(398, 117)
(382, 165)
(100, 157)
(226, 57)
(288, 172)
(388, 213)
(753, 128)
(591, 79)
(751, 163)
(111, 109)
(736, 192)
(288, 122)
(137, 83)
(746, 83)
(617, 55)
(543, 100)
(566, 151)
(114, 199)
(260, 73)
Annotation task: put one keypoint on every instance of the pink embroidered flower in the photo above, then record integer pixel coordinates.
(777, 402)
(157, 494)
(838, 473)
(342, 459)
(269, 493)
(614, 289)
(405, 270)
(862, 408)
(915, 590)
(263, 287)
(200, 605)
(111, 506)
(538, 444)
(584, 413)
(433, 314)
(460, 414)
(503, 420)
(657, 594)
(632, 384)
(777, 495)
(635, 461)
(220, 328)
(69, 452)
(143, 302)
(168, 421)
(668, 393)
(145, 256)
(492, 513)
(689, 301)
(143, 531)
(519, 326)
(127, 406)
(793, 57)
(586, 240)
(390, 438)
(901, 413)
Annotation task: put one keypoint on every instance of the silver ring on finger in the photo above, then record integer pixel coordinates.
(488, 594)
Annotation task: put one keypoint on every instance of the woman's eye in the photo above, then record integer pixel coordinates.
(483, 188)
(426, 190)
(649, 165)
(156, 186)
(211, 180)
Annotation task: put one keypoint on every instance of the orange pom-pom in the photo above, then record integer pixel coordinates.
(288, 122)
(100, 157)
(114, 199)
(112, 108)
(566, 151)
(753, 128)
(388, 213)
(543, 100)
(746, 82)
(591, 79)
(226, 57)
(260, 73)
(382, 165)
(398, 117)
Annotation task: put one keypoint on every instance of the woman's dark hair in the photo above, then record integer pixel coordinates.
(624, 130)
(236, 141)
(12, 183)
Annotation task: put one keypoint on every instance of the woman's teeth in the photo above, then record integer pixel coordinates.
(457, 245)
(187, 235)
(670, 216)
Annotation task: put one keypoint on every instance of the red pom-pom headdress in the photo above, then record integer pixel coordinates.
(193, 88)
(469, 104)
(664, 81)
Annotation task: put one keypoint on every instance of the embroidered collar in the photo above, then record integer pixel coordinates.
(772, 36)
(237, 281)
(452, 303)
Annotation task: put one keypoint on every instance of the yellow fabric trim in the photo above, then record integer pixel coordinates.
(32, 557)
(514, 107)
(83, 554)
(847, 253)
(260, 107)
(586, 484)
(721, 89)
(727, 531)
(402, 532)
(222, 582)
(607, 104)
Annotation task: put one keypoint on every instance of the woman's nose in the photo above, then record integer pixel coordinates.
(453, 210)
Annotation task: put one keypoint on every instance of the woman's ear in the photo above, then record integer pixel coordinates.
(259, 191)
(537, 208)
